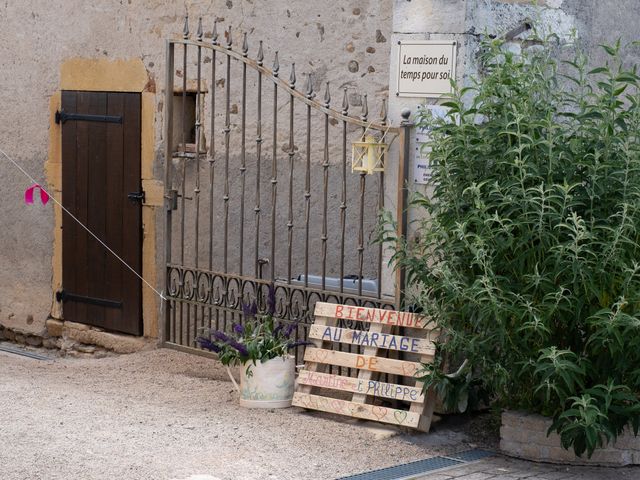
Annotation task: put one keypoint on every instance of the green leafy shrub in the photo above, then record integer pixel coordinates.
(528, 256)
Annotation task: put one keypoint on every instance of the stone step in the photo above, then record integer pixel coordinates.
(76, 337)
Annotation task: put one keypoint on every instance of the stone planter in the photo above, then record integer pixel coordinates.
(524, 435)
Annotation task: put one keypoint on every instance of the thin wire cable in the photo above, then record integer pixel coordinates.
(25, 173)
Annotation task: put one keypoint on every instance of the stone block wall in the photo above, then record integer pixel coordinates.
(524, 435)
(75, 339)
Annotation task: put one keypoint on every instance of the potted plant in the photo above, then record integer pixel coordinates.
(261, 346)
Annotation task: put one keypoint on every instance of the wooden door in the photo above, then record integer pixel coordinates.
(101, 186)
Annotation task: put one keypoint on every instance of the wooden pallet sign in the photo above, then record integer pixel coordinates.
(364, 388)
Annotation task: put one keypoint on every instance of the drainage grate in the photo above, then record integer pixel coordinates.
(421, 467)
(24, 353)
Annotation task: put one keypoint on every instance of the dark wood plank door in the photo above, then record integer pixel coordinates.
(100, 168)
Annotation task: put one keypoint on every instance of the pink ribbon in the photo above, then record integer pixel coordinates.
(28, 195)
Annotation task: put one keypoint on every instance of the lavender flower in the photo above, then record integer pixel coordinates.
(208, 344)
(218, 335)
(290, 328)
(239, 347)
(249, 310)
(237, 328)
(277, 330)
(223, 337)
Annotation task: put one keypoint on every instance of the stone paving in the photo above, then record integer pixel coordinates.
(504, 468)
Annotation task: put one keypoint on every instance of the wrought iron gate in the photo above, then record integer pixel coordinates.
(280, 209)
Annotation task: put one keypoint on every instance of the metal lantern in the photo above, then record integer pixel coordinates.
(368, 154)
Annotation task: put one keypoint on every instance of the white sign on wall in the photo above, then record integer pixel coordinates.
(421, 159)
(421, 167)
(425, 68)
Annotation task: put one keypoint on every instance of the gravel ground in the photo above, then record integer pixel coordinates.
(163, 414)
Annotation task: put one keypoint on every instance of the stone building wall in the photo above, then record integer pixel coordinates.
(342, 42)
(589, 23)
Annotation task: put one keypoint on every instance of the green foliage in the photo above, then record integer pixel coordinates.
(528, 256)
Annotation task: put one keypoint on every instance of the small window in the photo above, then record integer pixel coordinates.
(186, 132)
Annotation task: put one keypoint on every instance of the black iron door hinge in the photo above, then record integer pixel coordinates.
(62, 117)
(62, 296)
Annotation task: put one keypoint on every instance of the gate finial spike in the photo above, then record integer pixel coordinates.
(327, 96)
(214, 32)
(292, 77)
(309, 88)
(345, 102)
(276, 65)
(185, 29)
(260, 54)
(365, 109)
(245, 45)
(199, 32)
(229, 39)
(383, 112)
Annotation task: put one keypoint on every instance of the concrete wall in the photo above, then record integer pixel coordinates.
(468, 21)
(524, 435)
